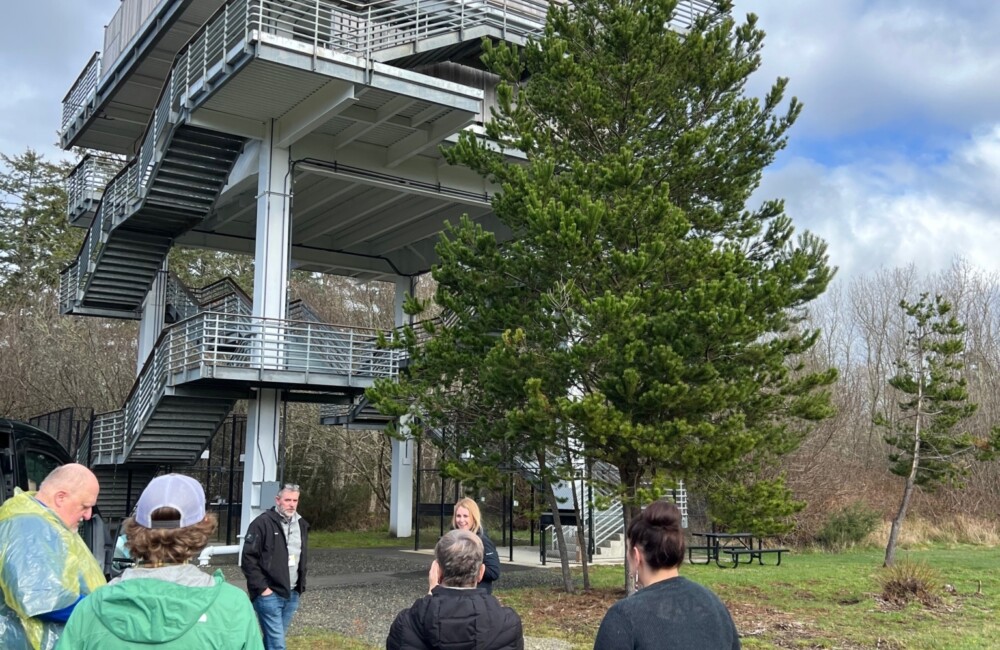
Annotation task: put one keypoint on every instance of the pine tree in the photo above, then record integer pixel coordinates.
(929, 448)
(640, 312)
(36, 241)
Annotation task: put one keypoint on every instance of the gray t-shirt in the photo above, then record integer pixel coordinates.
(674, 613)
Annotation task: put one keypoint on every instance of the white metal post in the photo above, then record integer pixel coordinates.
(401, 478)
(270, 301)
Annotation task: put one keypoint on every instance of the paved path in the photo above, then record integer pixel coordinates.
(358, 592)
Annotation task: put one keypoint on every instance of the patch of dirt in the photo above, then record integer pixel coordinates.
(576, 614)
(579, 615)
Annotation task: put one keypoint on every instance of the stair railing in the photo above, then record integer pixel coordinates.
(108, 437)
(86, 184)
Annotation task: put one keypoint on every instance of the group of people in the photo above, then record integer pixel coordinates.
(666, 611)
(54, 593)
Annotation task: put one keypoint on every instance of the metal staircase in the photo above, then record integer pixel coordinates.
(151, 201)
(212, 355)
(359, 414)
(608, 525)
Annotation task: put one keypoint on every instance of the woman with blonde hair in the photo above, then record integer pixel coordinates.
(466, 517)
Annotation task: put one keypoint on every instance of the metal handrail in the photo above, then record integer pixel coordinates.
(210, 341)
(89, 179)
(69, 284)
(178, 296)
(82, 90)
(109, 435)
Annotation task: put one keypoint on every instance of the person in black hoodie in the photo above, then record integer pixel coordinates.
(467, 517)
(455, 614)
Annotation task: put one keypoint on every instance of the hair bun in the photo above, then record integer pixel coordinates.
(663, 514)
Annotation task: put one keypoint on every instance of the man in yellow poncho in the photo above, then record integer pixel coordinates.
(45, 567)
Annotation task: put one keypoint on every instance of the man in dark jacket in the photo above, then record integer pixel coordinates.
(274, 563)
(455, 614)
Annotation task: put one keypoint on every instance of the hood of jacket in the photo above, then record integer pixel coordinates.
(153, 611)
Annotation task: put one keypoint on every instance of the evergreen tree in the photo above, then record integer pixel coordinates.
(36, 241)
(929, 448)
(640, 313)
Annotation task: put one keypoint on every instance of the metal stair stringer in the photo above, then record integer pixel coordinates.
(180, 191)
(178, 429)
(121, 486)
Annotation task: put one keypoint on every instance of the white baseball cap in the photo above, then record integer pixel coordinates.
(182, 493)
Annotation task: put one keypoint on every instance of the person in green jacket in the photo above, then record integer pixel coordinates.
(167, 602)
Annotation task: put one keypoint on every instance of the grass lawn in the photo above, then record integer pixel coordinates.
(813, 600)
(357, 539)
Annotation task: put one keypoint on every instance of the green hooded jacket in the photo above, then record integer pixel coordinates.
(145, 611)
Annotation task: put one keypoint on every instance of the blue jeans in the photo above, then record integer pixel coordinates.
(275, 615)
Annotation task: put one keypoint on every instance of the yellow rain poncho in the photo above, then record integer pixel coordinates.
(44, 567)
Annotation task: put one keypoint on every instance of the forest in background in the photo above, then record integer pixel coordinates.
(49, 362)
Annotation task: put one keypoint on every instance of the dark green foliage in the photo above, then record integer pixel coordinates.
(342, 508)
(757, 505)
(199, 268)
(641, 314)
(929, 447)
(925, 434)
(848, 526)
(36, 241)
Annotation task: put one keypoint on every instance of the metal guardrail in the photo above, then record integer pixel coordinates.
(180, 298)
(69, 284)
(109, 435)
(211, 340)
(223, 296)
(88, 180)
(82, 90)
(357, 27)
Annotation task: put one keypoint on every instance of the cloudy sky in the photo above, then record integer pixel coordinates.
(895, 160)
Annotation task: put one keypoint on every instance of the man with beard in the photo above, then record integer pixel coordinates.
(274, 563)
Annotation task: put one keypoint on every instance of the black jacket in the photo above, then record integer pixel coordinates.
(491, 560)
(456, 619)
(265, 556)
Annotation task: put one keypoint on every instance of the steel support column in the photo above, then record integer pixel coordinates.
(270, 301)
(401, 479)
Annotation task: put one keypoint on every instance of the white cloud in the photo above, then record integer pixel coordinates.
(859, 64)
(890, 212)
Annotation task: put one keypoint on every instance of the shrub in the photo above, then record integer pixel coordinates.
(906, 581)
(848, 527)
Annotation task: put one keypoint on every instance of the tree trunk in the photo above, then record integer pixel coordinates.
(629, 478)
(911, 481)
(550, 497)
(560, 539)
(581, 538)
